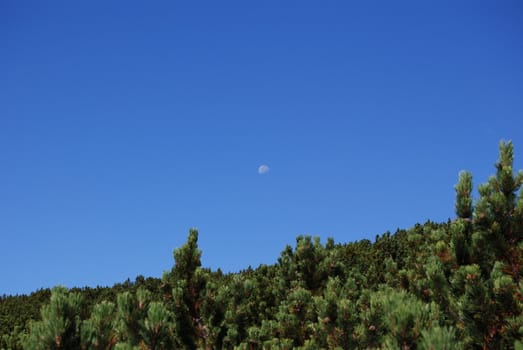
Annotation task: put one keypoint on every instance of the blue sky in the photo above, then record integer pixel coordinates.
(123, 124)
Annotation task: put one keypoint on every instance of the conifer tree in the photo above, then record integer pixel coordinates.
(498, 219)
(157, 332)
(183, 287)
(130, 316)
(13, 340)
(337, 315)
(60, 324)
(97, 332)
(296, 316)
(397, 319)
(487, 240)
(462, 227)
(441, 338)
(304, 265)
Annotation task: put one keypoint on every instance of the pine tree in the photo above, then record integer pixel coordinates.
(60, 324)
(400, 317)
(157, 332)
(97, 332)
(498, 216)
(130, 316)
(488, 244)
(304, 265)
(183, 288)
(440, 338)
(462, 227)
(337, 316)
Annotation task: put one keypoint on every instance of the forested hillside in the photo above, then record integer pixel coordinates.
(447, 285)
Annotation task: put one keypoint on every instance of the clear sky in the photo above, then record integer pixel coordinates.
(124, 123)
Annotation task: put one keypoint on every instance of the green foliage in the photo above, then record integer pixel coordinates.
(131, 311)
(441, 338)
(60, 324)
(186, 282)
(157, 331)
(463, 196)
(454, 285)
(97, 332)
(16, 312)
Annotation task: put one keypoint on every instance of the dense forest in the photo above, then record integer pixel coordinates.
(452, 285)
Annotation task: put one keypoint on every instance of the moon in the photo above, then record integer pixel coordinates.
(263, 169)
